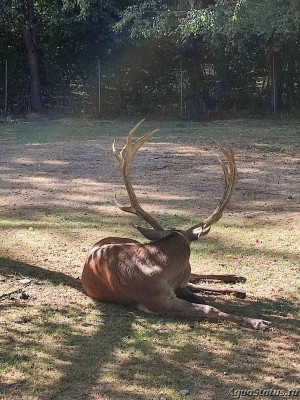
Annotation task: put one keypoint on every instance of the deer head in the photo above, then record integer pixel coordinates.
(125, 157)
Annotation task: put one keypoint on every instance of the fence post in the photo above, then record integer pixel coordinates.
(5, 89)
(181, 90)
(274, 87)
(99, 88)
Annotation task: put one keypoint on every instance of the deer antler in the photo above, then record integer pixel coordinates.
(230, 180)
(125, 157)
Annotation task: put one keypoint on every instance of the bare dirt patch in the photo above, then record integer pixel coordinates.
(83, 176)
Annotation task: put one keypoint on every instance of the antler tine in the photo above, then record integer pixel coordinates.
(134, 129)
(117, 153)
(230, 179)
(125, 157)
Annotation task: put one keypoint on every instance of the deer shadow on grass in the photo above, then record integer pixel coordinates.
(10, 267)
(132, 355)
(82, 355)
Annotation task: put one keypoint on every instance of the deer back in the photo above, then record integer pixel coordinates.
(124, 270)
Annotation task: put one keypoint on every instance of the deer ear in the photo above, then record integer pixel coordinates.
(151, 234)
(197, 233)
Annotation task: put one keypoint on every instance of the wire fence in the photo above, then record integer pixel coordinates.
(106, 91)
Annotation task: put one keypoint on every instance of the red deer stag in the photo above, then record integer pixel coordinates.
(154, 276)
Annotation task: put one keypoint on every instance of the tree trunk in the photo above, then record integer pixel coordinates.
(30, 38)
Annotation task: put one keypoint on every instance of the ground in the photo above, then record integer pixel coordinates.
(58, 179)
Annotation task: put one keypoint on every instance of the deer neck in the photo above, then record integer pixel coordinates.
(174, 245)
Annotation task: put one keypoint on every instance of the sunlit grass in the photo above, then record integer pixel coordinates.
(279, 135)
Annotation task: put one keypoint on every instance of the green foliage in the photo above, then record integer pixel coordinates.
(145, 20)
(226, 49)
(235, 41)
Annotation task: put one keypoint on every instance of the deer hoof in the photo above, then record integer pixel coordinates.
(240, 293)
(261, 324)
(233, 279)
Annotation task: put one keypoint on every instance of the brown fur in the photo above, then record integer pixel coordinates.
(151, 276)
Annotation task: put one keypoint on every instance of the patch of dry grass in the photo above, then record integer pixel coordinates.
(59, 344)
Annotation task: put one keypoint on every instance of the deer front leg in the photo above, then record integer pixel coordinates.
(172, 306)
(227, 278)
(185, 294)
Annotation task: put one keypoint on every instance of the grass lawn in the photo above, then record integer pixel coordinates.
(58, 179)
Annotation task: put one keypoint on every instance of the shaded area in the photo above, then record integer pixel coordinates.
(10, 267)
(279, 135)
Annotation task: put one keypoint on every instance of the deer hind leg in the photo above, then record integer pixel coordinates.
(227, 278)
(170, 305)
(185, 294)
(232, 291)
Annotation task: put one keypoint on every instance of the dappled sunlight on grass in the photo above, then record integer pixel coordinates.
(57, 201)
(84, 349)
